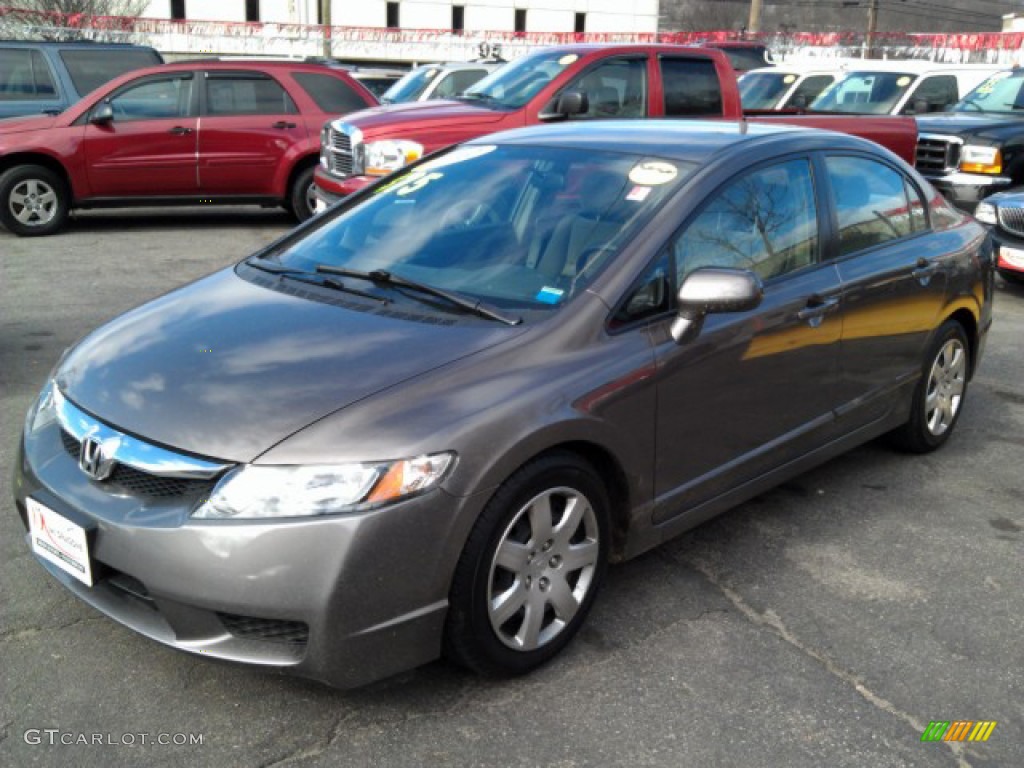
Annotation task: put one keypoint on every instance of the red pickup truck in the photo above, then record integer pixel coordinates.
(577, 82)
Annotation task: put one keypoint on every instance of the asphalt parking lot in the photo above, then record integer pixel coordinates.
(825, 623)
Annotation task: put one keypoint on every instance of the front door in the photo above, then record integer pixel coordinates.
(754, 389)
(149, 148)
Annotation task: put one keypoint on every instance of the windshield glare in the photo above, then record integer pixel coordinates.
(410, 87)
(1003, 92)
(519, 227)
(515, 83)
(763, 90)
(864, 93)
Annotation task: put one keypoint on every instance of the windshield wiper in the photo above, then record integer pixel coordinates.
(382, 277)
(310, 277)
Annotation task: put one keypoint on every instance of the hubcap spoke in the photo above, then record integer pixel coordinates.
(512, 555)
(580, 556)
(529, 633)
(540, 519)
(571, 519)
(505, 605)
(563, 600)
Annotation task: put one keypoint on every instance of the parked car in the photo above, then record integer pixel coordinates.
(209, 131)
(427, 420)
(39, 77)
(377, 80)
(785, 87)
(1004, 214)
(975, 149)
(571, 82)
(901, 87)
(437, 81)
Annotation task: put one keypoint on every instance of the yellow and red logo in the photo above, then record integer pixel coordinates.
(958, 730)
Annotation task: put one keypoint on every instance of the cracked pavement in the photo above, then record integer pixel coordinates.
(823, 623)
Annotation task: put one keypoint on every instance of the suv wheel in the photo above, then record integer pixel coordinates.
(531, 568)
(33, 200)
(301, 199)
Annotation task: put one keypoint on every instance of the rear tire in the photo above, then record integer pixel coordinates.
(300, 198)
(939, 395)
(34, 200)
(531, 568)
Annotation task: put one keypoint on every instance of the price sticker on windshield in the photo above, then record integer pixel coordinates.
(653, 173)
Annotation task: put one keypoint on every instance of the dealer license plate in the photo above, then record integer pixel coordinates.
(1011, 257)
(57, 539)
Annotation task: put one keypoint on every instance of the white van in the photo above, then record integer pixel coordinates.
(901, 87)
(786, 86)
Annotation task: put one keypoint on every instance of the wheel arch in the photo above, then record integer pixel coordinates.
(16, 159)
(301, 164)
(967, 320)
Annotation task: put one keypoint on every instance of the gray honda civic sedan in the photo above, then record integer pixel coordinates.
(424, 422)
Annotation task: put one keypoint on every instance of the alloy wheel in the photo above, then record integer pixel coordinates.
(946, 383)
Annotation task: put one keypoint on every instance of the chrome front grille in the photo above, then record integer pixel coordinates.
(1012, 220)
(937, 155)
(344, 150)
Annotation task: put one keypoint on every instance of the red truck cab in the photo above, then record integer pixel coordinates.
(577, 82)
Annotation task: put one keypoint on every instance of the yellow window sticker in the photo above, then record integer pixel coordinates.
(568, 59)
(789, 79)
(904, 81)
(653, 173)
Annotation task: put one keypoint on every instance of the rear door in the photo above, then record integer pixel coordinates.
(248, 127)
(894, 280)
(149, 148)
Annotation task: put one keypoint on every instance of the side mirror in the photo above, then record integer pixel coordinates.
(102, 114)
(567, 104)
(710, 290)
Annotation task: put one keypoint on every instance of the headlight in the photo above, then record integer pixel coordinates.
(975, 159)
(383, 157)
(254, 491)
(44, 411)
(986, 213)
(325, 136)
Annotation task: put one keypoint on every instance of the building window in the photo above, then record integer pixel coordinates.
(458, 17)
(392, 22)
(581, 23)
(252, 10)
(177, 9)
(520, 19)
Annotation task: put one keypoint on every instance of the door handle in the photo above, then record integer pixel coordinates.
(180, 130)
(817, 308)
(281, 124)
(924, 270)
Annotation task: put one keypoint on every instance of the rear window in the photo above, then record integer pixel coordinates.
(89, 69)
(331, 94)
(25, 76)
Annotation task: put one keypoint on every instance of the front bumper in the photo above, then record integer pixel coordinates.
(332, 188)
(966, 190)
(1009, 264)
(344, 599)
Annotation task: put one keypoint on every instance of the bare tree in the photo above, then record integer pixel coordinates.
(100, 20)
(87, 7)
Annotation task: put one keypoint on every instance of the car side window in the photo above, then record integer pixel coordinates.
(871, 202)
(167, 97)
(938, 91)
(238, 94)
(809, 89)
(25, 76)
(456, 82)
(614, 88)
(918, 221)
(765, 221)
(332, 94)
(691, 87)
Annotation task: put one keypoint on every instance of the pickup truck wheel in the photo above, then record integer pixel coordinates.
(33, 200)
(530, 569)
(301, 199)
(940, 392)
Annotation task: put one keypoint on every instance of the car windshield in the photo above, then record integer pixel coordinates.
(410, 86)
(1003, 92)
(517, 227)
(864, 93)
(762, 90)
(515, 83)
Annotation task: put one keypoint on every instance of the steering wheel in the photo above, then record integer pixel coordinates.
(468, 213)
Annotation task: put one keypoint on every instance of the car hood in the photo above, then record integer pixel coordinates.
(26, 123)
(968, 124)
(420, 117)
(226, 368)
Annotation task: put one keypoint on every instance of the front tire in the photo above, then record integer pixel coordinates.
(34, 200)
(940, 393)
(531, 568)
(300, 198)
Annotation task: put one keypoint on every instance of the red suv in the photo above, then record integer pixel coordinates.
(199, 131)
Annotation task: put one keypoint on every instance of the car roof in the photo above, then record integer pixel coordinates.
(687, 140)
(249, 64)
(462, 65)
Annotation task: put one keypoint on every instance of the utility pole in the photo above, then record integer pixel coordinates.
(872, 27)
(325, 18)
(754, 22)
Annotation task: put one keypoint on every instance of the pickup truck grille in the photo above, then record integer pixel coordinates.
(344, 151)
(937, 155)
(1012, 220)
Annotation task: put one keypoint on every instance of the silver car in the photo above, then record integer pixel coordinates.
(425, 422)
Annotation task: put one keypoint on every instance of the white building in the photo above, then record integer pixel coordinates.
(592, 16)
